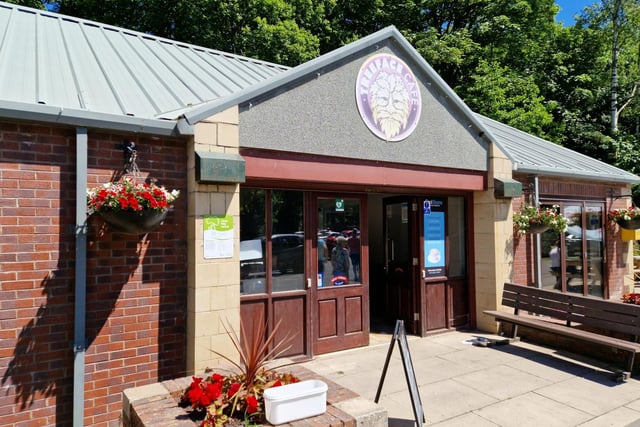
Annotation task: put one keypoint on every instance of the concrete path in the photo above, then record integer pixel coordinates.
(462, 384)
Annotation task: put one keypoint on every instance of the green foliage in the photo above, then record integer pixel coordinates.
(36, 4)
(508, 97)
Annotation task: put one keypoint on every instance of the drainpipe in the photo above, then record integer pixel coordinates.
(538, 263)
(79, 339)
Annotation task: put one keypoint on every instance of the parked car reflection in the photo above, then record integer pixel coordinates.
(287, 258)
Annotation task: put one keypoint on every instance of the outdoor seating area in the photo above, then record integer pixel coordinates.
(588, 319)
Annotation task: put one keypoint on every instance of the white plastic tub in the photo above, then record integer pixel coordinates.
(295, 401)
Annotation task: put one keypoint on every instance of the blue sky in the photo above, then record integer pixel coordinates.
(570, 8)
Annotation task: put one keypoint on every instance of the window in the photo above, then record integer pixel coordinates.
(338, 218)
(572, 262)
(275, 240)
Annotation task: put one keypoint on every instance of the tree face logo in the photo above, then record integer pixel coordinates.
(388, 97)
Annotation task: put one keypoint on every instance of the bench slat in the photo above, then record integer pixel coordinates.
(533, 322)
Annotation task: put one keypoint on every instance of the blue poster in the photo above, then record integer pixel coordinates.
(434, 238)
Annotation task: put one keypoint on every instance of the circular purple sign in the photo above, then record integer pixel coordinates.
(388, 97)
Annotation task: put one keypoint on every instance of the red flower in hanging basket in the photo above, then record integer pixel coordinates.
(128, 195)
(624, 214)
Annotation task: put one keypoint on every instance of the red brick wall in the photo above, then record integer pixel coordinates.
(615, 268)
(136, 287)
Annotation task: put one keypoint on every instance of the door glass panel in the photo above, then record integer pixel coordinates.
(397, 217)
(252, 241)
(457, 247)
(339, 232)
(574, 249)
(593, 234)
(551, 253)
(287, 240)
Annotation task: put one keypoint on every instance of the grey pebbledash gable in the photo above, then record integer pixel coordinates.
(320, 115)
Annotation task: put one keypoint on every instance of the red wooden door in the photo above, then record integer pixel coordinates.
(340, 292)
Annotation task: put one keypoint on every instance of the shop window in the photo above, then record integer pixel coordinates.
(271, 240)
(287, 240)
(252, 241)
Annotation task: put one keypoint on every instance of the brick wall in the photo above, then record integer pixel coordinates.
(136, 286)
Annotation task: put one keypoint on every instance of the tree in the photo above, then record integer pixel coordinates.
(501, 93)
(36, 4)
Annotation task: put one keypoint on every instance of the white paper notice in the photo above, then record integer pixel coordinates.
(218, 236)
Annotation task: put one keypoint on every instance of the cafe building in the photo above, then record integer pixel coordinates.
(280, 170)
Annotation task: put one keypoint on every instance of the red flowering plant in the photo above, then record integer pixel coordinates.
(217, 400)
(631, 298)
(128, 195)
(624, 214)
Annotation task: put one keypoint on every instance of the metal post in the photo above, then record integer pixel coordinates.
(538, 244)
(79, 339)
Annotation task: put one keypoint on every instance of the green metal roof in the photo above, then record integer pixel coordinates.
(82, 72)
(536, 156)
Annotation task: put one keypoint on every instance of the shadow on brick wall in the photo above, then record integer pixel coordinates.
(32, 372)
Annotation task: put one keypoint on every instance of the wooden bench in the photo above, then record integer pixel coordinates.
(576, 311)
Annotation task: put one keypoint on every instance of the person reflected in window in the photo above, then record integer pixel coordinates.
(354, 252)
(323, 253)
(340, 262)
(554, 256)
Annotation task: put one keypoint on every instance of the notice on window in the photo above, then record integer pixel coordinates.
(434, 250)
(218, 236)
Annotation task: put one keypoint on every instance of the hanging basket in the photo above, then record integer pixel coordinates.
(534, 229)
(131, 222)
(632, 224)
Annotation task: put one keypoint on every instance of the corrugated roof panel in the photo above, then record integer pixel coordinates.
(77, 64)
(56, 81)
(125, 89)
(95, 93)
(202, 75)
(18, 77)
(169, 90)
(143, 81)
(224, 75)
(534, 155)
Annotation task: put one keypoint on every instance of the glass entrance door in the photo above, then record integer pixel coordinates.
(584, 248)
(573, 262)
(399, 229)
(340, 288)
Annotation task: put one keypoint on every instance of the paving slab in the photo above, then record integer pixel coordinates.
(460, 383)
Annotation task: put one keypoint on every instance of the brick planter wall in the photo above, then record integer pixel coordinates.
(156, 405)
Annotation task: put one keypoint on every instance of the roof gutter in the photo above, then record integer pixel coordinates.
(546, 171)
(94, 120)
